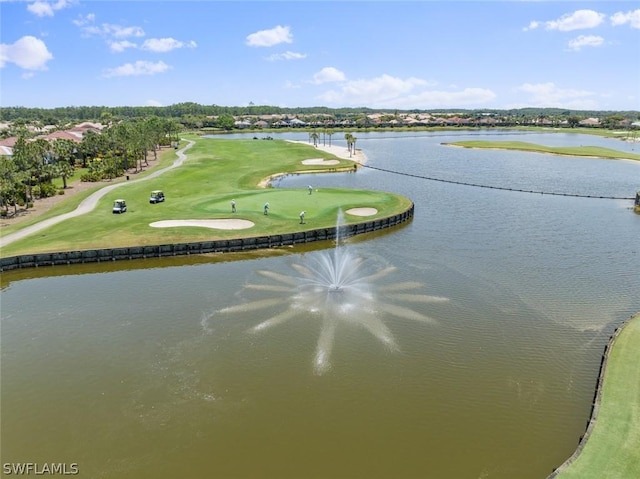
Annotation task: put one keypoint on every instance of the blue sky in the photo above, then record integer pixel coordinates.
(380, 54)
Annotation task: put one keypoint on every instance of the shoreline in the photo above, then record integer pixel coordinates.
(597, 402)
(497, 148)
(241, 243)
(339, 151)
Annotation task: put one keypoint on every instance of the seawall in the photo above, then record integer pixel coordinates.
(597, 399)
(201, 247)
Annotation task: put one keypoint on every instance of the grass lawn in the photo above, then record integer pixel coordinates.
(613, 449)
(590, 151)
(216, 171)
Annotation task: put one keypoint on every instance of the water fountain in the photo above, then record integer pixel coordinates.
(333, 287)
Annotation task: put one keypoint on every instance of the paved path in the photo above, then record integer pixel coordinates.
(90, 202)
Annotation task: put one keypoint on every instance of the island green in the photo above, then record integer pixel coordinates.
(216, 172)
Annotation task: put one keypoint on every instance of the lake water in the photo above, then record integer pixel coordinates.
(469, 347)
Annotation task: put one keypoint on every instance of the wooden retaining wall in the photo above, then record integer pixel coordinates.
(217, 246)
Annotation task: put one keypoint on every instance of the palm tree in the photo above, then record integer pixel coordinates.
(64, 154)
(351, 143)
(64, 170)
(314, 137)
(348, 137)
(92, 144)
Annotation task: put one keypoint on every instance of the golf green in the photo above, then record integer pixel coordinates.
(215, 173)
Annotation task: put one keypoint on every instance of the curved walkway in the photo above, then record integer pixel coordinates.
(90, 202)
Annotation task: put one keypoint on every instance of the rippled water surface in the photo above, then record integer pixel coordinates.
(465, 344)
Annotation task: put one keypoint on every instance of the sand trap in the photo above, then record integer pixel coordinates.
(319, 161)
(223, 224)
(362, 211)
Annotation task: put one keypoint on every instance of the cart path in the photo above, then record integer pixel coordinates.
(90, 202)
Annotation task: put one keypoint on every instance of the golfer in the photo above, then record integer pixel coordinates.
(302, 213)
(233, 206)
(266, 208)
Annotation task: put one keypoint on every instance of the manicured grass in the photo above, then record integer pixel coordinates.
(613, 449)
(71, 202)
(590, 151)
(217, 171)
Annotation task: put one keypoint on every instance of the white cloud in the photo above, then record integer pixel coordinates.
(118, 31)
(136, 69)
(121, 46)
(29, 53)
(384, 86)
(269, 38)
(621, 18)
(153, 103)
(42, 8)
(84, 20)
(286, 56)
(109, 30)
(585, 41)
(532, 26)
(328, 74)
(550, 96)
(116, 36)
(165, 44)
(381, 91)
(449, 99)
(578, 20)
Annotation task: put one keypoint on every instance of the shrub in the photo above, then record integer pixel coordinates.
(91, 176)
(46, 190)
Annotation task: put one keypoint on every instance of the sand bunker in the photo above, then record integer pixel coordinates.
(223, 224)
(362, 211)
(319, 161)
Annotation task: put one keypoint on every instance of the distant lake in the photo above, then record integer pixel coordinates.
(156, 369)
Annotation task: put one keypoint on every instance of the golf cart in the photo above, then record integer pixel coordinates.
(157, 196)
(119, 206)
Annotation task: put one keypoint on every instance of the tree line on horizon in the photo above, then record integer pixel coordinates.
(190, 112)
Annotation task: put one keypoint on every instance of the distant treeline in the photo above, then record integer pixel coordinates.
(189, 109)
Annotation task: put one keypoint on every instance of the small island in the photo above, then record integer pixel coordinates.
(586, 151)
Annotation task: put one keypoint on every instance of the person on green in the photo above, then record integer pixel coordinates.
(266, 208)
(302, 213)
(233, 206)
(310, 189)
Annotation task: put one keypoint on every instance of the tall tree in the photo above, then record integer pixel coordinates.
(10, 184)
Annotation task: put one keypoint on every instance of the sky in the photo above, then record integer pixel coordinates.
(378, 54)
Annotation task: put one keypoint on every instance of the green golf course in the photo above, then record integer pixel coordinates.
(216, 172)
(612, 448)
(587, 151)
(219, 171)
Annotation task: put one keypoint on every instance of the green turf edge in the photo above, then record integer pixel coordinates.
(585, 151)
(98, 230)
(165, 158)
(610, 447)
